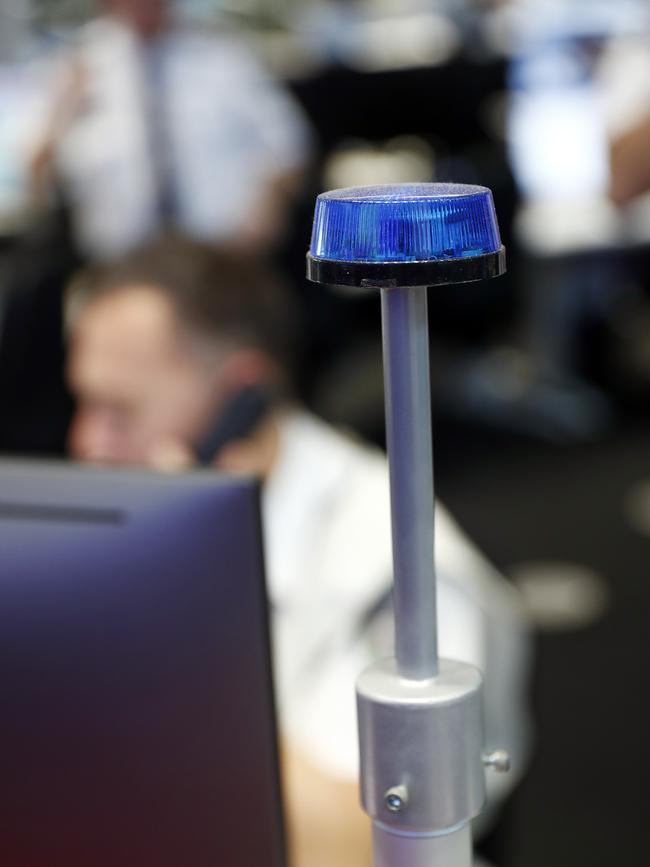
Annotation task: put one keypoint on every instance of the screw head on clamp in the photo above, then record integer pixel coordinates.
(499, 760)
(396, 799)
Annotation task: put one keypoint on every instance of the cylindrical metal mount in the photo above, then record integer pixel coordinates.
(427, 737)
(411, 850)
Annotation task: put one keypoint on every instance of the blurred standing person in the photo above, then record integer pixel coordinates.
(154, 126)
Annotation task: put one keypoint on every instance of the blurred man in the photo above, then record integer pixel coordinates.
(180, 350)
(155, 126)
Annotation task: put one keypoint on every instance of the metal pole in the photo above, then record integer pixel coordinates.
(443, 850)
(409, 443)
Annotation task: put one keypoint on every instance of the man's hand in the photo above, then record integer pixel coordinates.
(630, 164)
(68, 90)
(171, 456)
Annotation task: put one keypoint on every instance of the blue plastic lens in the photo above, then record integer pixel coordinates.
(404, 223)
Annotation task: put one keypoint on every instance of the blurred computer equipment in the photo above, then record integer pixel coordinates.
(137, 723)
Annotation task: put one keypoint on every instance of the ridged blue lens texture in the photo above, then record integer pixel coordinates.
(404, 223)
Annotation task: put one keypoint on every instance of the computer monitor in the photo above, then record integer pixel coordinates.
(136, 721)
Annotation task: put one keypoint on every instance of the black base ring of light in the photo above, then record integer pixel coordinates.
(390, 275)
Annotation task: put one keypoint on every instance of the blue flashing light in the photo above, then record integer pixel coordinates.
(405, 223)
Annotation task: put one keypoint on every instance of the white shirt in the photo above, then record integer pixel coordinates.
(193, 110)
(328, 541)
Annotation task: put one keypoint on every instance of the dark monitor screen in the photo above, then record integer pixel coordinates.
(136, 722)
